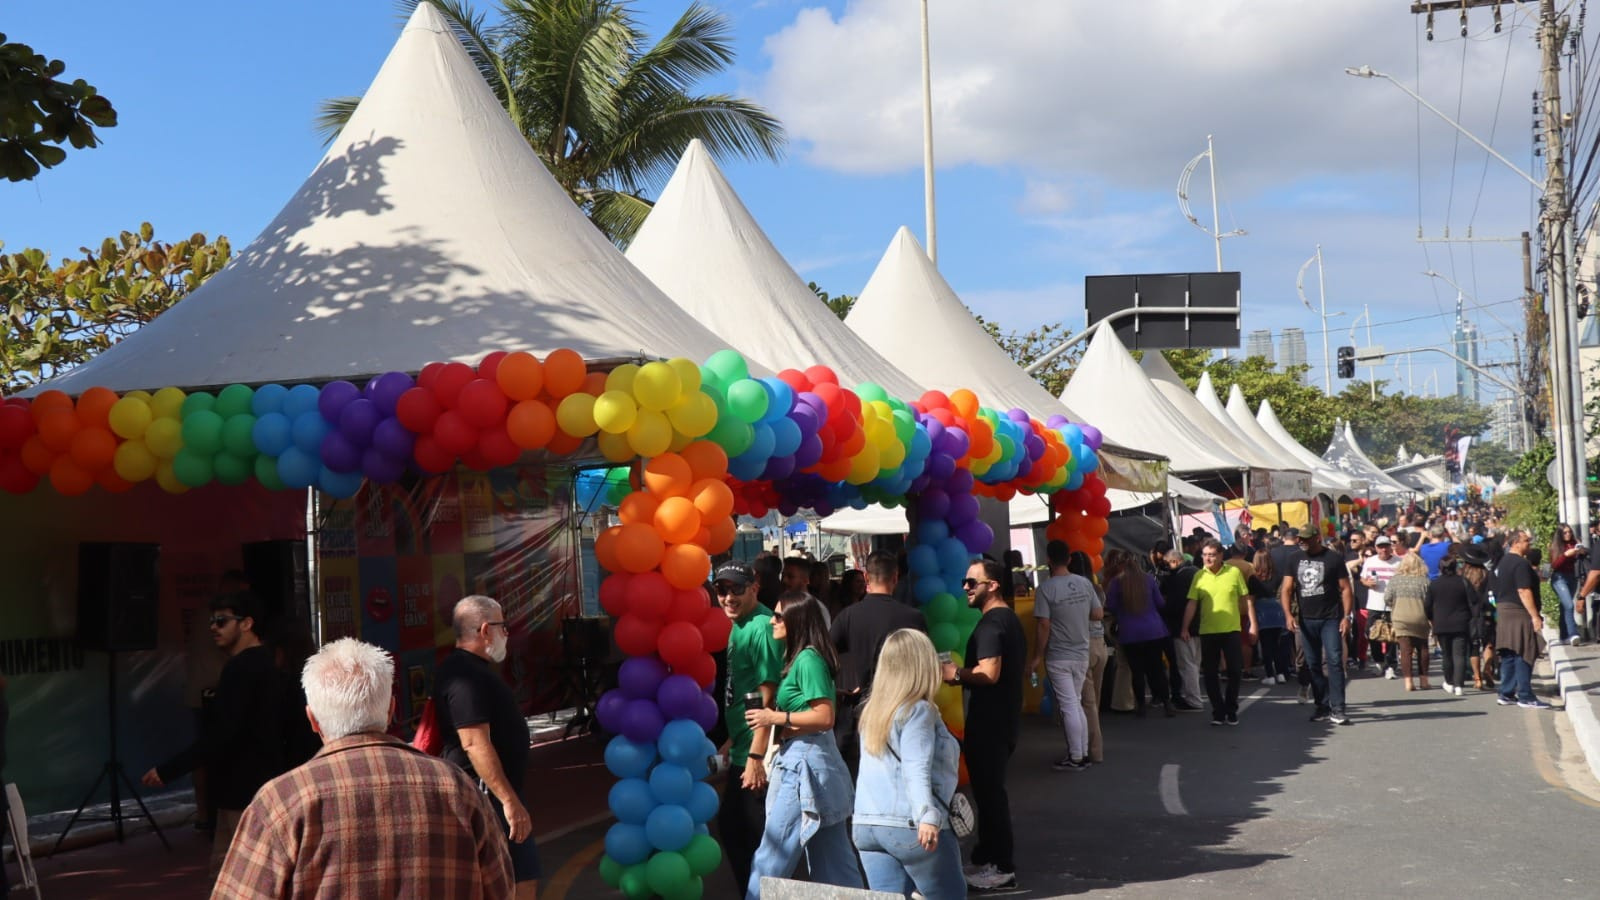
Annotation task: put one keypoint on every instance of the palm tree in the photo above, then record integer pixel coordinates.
(608, 115)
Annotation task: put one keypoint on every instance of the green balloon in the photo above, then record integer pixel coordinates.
(202, 431)
(945, 636)
(728, 365)
(703, 855)
(869, 391)
(747, 400)
(691, 890)
(196, 402)
(634, 883)
(667, 872)
(267, 473)
(236, 437)
(732, 435)
(905, 426)
(192, 467)
(234, 399)
(231, 469)
(942, 609)
(610, 871)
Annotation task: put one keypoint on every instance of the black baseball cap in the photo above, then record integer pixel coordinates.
(736, 574)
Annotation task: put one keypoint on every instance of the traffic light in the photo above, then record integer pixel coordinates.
(1347, 362)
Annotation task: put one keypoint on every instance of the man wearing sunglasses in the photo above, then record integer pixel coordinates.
(242, 745)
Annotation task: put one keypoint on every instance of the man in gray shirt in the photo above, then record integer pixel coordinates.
(1064, 606)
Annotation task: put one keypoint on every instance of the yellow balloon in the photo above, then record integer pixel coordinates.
(688, 374)
(615, 447)
(167, 403)
(139, 395)
(615, 412)
(622, 377)
(134, 461)
(657, 387)
(651, 433)
(164, 437)
(863, 466)
(892, 456)
(575, 415)
(129, 417)
(168, 481)
(694, 415)
(680, 441)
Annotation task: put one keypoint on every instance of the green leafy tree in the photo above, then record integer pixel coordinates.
(1026, 348)
(39, 112)
(1491, 460)
(608, 113)
(1305, 411)
(839, 305)
(1533, 505)
(58, 316)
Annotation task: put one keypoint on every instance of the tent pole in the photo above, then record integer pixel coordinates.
(313, 586)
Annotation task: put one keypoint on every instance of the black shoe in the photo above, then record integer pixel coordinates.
(1232, 718)
(1168, 710)
(1186, 706)
(1321, 714)
(1218, 720)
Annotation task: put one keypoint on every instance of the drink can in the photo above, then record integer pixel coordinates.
(753, 700)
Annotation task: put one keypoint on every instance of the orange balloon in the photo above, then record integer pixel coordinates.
(564, 371)
(36, 457)
(638, 508)
(95, 405)
(530, 423)
(48, 402)
(706, 459)
(668, 475)
(677, 520)
(838, 470)
(852, 445)
(520, 375)
(713, 498)
(68, 478)
(639, 548)
(685, 566)
(57, 428)
(721, 535)
(594, 383)
(92, 448)
(605, 549)
(965, 403)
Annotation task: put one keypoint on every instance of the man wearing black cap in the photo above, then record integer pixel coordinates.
(755, 665)
(858, 634)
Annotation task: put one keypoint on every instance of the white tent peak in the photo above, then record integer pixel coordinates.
(430, 230)
(1346, 454)
(701, 246)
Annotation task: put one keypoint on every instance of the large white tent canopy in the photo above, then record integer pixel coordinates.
(1268, 420)
(703, 248)
(1324, 479)
(1345, 453)
(429, 231)
(909, 313)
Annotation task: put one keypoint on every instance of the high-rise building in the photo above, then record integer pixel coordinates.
(1505, 424)
(1259, 343)
(1292, 349)
(1465, 340)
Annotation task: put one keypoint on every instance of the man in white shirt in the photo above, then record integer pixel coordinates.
(1375, 574)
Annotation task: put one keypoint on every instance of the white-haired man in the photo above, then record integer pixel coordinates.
(368, 814)
(483, 727)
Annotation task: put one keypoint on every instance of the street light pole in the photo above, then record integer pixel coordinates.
(927, 141)
(1322, 290)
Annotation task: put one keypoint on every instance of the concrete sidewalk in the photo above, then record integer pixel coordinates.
(1577, 677)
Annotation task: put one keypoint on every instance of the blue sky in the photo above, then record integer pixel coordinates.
(1061, 131)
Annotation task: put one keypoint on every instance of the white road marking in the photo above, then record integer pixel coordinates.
(1245, 703)
(1168, 787)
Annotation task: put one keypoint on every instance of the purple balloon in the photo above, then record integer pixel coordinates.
(679, 697)
(823, 508)
(810, 451)
(935, 504)
(963, 509)
(1017, 414)
(339, 454)
(1091, 436)
(806, 419)
(642, 721)
(334, 398)
(959, 482)
(392, 439)
(381, 468)
(641, 676)
(385, 390)
(778, 467)
(958, 442)
(357, 420)
(1056, 421)
(935, 429)
(976, 535)
(818, 406)
(706, 712)
(610, 710)
(788, 507)
(940, 466)
(1035, 446)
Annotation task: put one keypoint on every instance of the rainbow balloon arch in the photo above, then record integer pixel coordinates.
(704, 443)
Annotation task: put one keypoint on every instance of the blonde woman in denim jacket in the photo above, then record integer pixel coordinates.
(908, 774)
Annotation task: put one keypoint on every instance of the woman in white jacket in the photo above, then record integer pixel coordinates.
(908, 776)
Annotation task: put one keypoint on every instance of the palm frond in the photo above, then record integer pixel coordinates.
(482, 43)
(332, 114)
(698, 45)
(648, 149)
(568, 56)
(618, 215)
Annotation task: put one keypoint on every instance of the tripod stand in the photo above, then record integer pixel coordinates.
(113, 775)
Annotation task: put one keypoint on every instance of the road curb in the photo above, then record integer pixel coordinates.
(1580, 708)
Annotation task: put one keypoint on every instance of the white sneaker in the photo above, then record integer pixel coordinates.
(971, 869)
(1448, 688)
(1389, 674)
(1458, 691)
(990, 879)
(1283, 679)
(1305, 694)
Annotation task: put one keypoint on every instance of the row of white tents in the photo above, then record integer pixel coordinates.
(430, 230)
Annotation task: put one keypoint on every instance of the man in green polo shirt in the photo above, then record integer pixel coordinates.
(1218, 595)
(755, 665)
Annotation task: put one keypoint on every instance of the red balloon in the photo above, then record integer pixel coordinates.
(614, 593)
(649, 596)
(703, 669)
(497, 448)
(715, 627)
(636, 636)
(16, 426)
(454, 434)
(417, 410)
(795, 379)
(430, 456)
(429, 375)
(452, 378)
(680, 643)
(14, 476)
(933, 400)
(821, 375)
(689, 605)
(489, 366)
(482, 404)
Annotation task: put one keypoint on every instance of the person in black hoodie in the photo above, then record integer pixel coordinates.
(1184, 655)
(243, 744)
(1449, 604)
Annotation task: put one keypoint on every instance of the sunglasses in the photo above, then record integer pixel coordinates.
(724, 589)
(218, 621)
(777, 617)
(499, 625)
(971, 583)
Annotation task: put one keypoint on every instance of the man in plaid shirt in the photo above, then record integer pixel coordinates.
(368, 816)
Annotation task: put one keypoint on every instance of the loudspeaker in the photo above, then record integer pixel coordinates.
(584, 639)
(118, 596)
(279, 579)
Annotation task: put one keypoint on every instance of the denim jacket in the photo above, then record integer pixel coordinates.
(914, 789)
(812, 765)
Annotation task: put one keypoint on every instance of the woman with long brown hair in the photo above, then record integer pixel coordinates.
(1265, 586)
(1134, 597)
(1565, 551)
(1407, 596)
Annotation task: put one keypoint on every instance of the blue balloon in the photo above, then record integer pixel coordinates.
(786, 437)
(681, 741)
(631, 800)
(702, 803)
(268, 399)
(747, 467)
(308, 430)
(301, 399)
(932, 532)
(271, 433)
(780, 400)
(923, 559)
(953, 555)
(926, 588)
(1074, 481)
(762, 445)
(298, 469)
(642, 721)
(669, 827)
(627, 759)
(627, 844)
(339, 484)
(671, 783)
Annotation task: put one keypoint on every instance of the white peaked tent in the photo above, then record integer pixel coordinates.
(703, 248)
(910, 315)
(1324, 479)
(429, 231)
(1345, 454)
(1423, 474)
(1024, 509)
(1268, 420)
(1109, 387)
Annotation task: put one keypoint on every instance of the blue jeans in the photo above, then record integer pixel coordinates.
(1319, 637)
(1516, 677)
(809, 772)
(1566, 588)
(895, 863)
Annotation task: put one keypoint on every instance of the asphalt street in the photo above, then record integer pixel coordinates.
(1424, 793)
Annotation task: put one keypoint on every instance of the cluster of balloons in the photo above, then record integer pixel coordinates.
(69, 443)
(1080, 518)
(487, 416)
(640, 411)
(661, 709)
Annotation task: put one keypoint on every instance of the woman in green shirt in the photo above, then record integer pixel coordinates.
(809, 794)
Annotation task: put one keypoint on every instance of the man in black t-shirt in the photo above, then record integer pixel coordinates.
(483, 728)
(1317, 579)
(858, 634)
(996, 656)
(1176, 575)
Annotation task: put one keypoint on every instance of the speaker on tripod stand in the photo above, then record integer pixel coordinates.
(118, 606)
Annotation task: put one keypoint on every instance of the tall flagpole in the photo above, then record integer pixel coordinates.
(927, 141)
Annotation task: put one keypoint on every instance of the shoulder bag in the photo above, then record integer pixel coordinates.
(963, 818)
